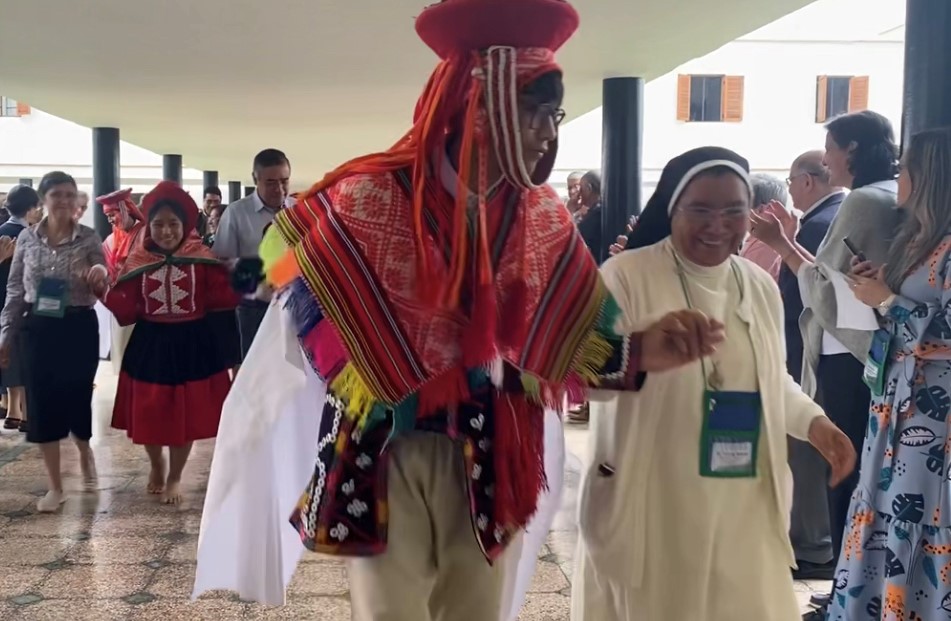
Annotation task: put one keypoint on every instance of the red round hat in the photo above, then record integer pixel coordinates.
(473, 25)
(171, 192)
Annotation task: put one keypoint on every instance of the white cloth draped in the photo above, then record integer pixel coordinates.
(264, 456)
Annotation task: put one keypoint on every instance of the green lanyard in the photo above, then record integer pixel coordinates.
(714, 381)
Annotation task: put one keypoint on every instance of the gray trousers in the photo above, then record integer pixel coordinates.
(809, 526)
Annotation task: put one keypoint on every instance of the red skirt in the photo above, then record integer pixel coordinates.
(173, 383)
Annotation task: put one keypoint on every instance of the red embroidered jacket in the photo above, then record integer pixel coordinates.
(172, 293)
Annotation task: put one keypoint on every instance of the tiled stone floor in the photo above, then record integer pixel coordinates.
(119, 555)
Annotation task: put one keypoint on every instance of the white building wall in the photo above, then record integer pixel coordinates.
(779, 105)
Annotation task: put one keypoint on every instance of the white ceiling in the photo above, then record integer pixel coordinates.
(324, 80)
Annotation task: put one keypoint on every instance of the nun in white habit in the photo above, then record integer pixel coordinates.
(683, 510)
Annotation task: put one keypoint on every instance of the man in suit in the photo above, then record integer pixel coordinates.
(813, 195)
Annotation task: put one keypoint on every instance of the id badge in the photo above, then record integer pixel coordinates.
(874, 373)
(730, 438)
(51, 298)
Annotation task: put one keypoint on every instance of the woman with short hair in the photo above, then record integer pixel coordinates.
(56, 267)
(23, 205)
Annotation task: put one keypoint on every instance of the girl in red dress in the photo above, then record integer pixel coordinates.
(174, 376)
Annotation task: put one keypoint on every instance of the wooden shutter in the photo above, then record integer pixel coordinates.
(683, 97)
(731, 103)
(822, 94)
(858, 93)
(23, 109)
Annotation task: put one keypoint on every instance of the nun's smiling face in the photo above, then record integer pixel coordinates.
(711, 218)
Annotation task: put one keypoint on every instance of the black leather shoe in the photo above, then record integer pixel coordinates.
(814, 571)
(820, 614)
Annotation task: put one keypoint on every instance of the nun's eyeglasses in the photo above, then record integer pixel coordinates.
(705, 214)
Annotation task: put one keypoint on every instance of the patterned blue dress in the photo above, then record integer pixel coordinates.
(896, 551)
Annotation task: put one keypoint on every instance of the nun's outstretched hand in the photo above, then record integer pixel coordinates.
(834, 446)
(678, 339)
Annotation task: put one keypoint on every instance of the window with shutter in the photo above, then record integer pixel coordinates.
(704, 104)
(683, 97)
(822, 98)
(858, 93)
(838, 95)
(710, 98)
(732, 99)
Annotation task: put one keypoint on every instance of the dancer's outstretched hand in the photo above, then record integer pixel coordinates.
(678, 339)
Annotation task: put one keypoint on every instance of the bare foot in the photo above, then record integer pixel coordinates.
(156, 482)
(172, 495)
(157, 479)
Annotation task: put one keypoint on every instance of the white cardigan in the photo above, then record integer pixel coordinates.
(625, 425)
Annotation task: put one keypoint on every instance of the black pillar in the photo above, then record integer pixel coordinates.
(210, 178)
(249, 190)
(26, 181)
(172, 168)
(234, 191)
(105, 172)
(622, 137)
(927, 95)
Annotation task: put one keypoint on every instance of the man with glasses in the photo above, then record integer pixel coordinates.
(819, 201)
(435, 299)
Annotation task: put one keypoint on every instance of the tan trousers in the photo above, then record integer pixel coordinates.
(433, 569)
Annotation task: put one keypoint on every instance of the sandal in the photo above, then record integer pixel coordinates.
(12, 423)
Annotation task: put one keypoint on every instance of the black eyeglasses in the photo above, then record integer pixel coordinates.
(543, 113)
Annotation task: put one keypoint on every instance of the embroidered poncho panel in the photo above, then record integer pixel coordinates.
(395, 363)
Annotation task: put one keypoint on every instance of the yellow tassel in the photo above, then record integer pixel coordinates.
(594, 354)
(531, 385)
(350, 387)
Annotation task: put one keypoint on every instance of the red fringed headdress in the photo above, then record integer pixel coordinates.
(489, 50)
(120, 202)
(122, 239)
(143, 256)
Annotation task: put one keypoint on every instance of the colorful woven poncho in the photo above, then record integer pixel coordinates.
(418, 302)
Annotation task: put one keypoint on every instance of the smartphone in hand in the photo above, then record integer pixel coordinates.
(858, 254)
